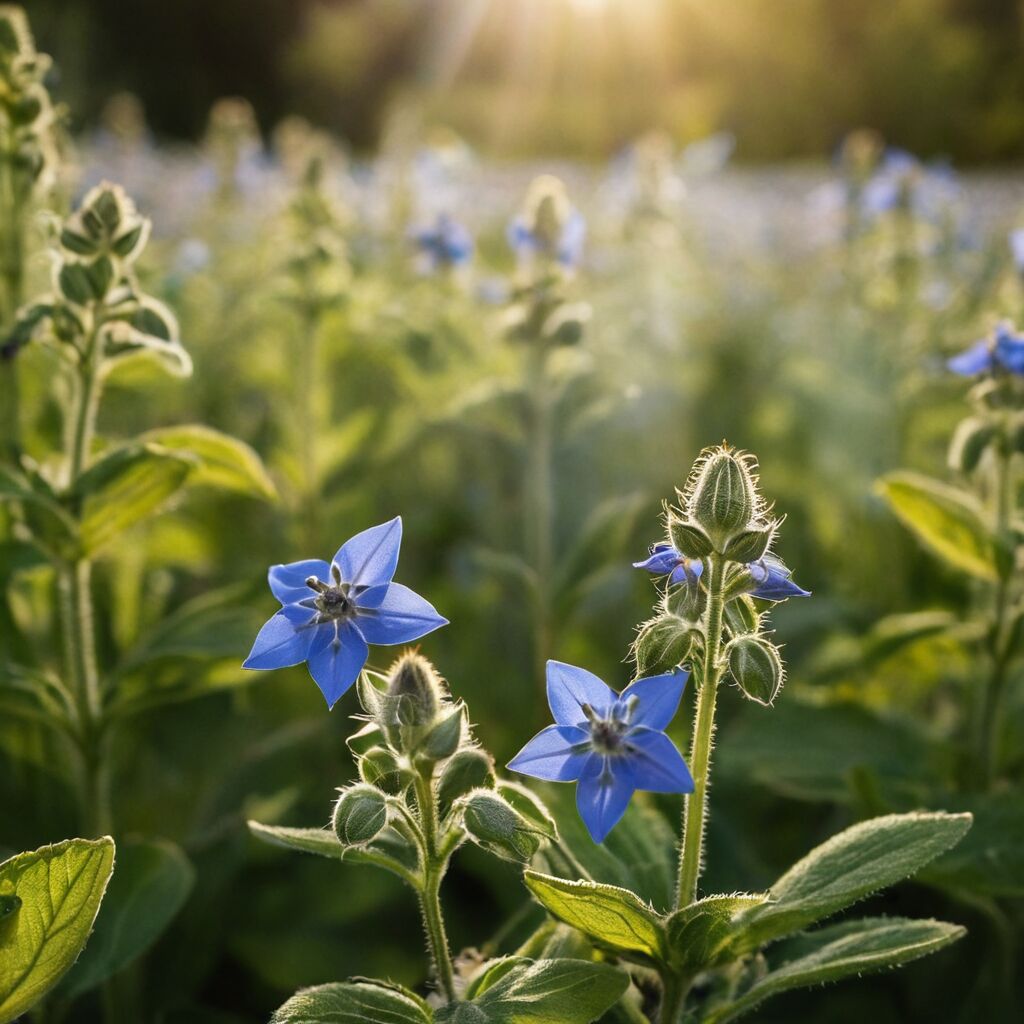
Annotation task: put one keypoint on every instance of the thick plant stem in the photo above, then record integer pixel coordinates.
(434, 867)
(1000, 642)
(673, 998)
(540, 497)
(692, 849)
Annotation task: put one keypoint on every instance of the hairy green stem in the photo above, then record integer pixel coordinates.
(540, 497)
(673, 998)
(691, 852)
(434, 867)
(1000, 639)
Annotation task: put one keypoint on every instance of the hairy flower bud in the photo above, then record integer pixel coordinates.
(416, 683)
(444, 738)
(360, 814)
(723, 498)
(495, 825)
(756, 667)
(381, 768)
(468, 769)
(750, 545)
(689, 538)
(970, 439)
(661, 645)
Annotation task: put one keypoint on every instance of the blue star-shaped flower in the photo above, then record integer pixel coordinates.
(1003, 350)
(611, 743)
(332, 611)
(770, 578)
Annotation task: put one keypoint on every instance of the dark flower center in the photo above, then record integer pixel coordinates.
(608, 735)
(332, 600)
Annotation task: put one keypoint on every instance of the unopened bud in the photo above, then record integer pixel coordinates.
(750, 545)
(495, 825)
(661, 645)
(468, 769)
(689, 538)
(444, 738)
(415, 681)
(756, 667)
(723, 498)
(381, 768)
(360, 814)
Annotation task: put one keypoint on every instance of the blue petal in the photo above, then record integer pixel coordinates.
(1009, 351)
(288, 582)
(603, 794)
(371, 557)
(655, 764)
(570, 245)
(977, 359)
(550, 754)
(772, 580)
(337, 666)
(657, 698)
(569, 688)
(400, 617)
(663, 558)
(285, 639)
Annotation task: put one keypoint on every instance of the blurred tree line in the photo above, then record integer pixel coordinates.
(576, 77)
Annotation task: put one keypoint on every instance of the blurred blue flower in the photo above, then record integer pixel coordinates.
(445, 244)
(611, 743)
(770, 578)
(1003, 350)
(567, 249)
(1017, 248)
(331, 611)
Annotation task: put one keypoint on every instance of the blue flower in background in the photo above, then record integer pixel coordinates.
(770, 578)
(566, 250)
(1003, 350)
(446, 244)
(1016, 240)
(332, 611)
(611, 744)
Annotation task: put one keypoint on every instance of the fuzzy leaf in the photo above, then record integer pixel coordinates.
(354, 1002)
(125, 487)
(700, 933)
(223, 461)
(851, 865)
(520, 991)
(613, 917)
(306, 840)
(838, 952)
(152, 882)
(60, 889)
(948, 521)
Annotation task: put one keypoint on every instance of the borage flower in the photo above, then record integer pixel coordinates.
(1003, 350)
(332, 611)
(770, 578)
(445, 244)
(611, 744)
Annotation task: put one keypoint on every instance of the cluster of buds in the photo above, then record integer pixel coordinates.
(418, 761)
(547, 238)
(721, 518)
(27, 116)
(96, 310)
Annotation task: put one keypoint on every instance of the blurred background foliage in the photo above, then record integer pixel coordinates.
(566, 77)
(776, 308)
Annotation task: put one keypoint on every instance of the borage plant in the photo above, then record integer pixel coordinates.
(427, 788)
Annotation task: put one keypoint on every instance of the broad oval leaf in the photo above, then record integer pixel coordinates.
(861, 860)
(223, 461)
(948, 521)
(60, 889)
(838, 952)
(521, 991)
(613, 917)
(124, 487)
(152, 882)
(353, 1002)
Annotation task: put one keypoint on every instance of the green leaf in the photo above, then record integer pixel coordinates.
(519, 991)
(851, 865)
(152, 882)
(223, 461)
(60, 888)
(699, 934)
(354, 1002)
(307, 840)
(950, 522)
(611, 916)
(838, 952)
(125, 487)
